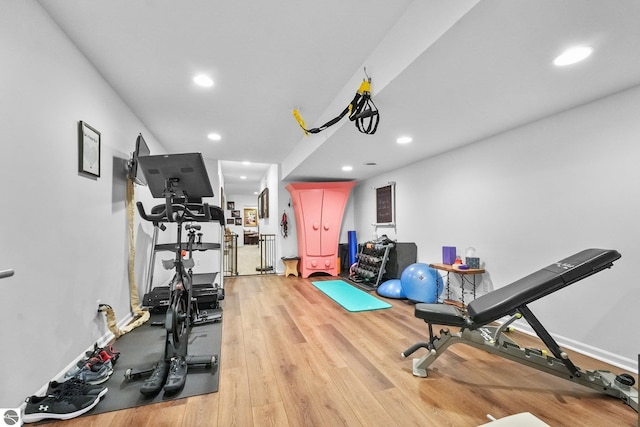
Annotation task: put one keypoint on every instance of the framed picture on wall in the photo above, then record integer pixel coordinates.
(235, 214)
(263, 204)
(250, 217)
(386, 205)
(231, 221)
(238, 221)
(88, 150)
(231, 206)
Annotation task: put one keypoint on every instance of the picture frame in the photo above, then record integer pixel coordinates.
(386, 205)
(231, 221)
(235, 214)
(231, 206)
(263, 204)
(89, 140)
(238, 221)
(250, 217)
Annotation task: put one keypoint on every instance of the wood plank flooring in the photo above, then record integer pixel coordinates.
(292, 357)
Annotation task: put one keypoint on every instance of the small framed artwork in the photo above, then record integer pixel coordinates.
(238, 221)
(231, 221)
(88, 150)
(263, 204)
(231, 206)
(386, 205)
(235, 214)
(250, 217)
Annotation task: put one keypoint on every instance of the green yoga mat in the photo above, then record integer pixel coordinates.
(349, 297)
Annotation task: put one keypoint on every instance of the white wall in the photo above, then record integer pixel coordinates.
(530, 197)
(524, 199)
(285, 206)
(64, 234)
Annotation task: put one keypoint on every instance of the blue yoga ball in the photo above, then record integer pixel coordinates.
(391, 289)
(419, 282)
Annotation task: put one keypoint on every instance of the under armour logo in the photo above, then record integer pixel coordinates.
(43, 408)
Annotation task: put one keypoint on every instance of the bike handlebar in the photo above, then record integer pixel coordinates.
(176, 212)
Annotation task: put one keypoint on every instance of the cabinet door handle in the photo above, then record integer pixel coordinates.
(316, 226)
(326, 226)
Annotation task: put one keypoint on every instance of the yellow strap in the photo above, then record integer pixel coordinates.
(365, 86)
(300, 121)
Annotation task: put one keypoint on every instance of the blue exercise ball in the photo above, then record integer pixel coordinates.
(391, 289)
(420, 283)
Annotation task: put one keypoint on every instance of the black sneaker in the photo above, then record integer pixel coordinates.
(76, 386)
(154, 383)
(177, 375)
(59, 406)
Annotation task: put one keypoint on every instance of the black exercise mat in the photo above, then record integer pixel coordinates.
(142, 348)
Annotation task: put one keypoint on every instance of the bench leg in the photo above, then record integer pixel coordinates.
(492, 340)
(436, 346)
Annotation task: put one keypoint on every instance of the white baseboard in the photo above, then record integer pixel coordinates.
(624, 363)
(102, 341)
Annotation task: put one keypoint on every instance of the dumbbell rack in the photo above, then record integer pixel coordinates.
(370, 267)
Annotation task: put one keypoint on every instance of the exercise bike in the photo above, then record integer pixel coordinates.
(179, 192)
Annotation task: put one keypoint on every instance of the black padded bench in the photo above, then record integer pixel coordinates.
(506, 300)
(512, 300)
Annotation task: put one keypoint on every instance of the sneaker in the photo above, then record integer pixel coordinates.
(108, 353)
(177, 375)
(94, 374)
(75, 385)
(60, 406)
(94, 364)
(154, 383)
(104, 353)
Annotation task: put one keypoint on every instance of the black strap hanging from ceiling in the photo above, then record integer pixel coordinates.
(361, 110)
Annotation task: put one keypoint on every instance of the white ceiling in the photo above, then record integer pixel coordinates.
(447, 73)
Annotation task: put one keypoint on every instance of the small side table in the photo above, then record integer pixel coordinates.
(462, 273)
(290, 265)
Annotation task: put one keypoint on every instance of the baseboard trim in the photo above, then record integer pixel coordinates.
(605, 356)
(102, 341)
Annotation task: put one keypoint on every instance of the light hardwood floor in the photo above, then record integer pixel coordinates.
(292, 357)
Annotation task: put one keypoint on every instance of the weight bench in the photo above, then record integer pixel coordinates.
(512, 300)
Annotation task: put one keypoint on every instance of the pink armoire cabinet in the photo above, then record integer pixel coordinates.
(319, 207)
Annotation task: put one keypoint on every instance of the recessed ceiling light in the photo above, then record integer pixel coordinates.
(572, 55)
(347, 168)
(203, 80)
(404, 140)
(243, 177)
(246, 163)
(214, 136)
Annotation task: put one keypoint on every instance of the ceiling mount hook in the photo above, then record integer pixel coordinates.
(365, 73)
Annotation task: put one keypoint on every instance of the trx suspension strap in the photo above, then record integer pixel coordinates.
(141, 316)
(361, 110)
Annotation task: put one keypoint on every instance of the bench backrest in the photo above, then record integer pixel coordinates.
(504, 301)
